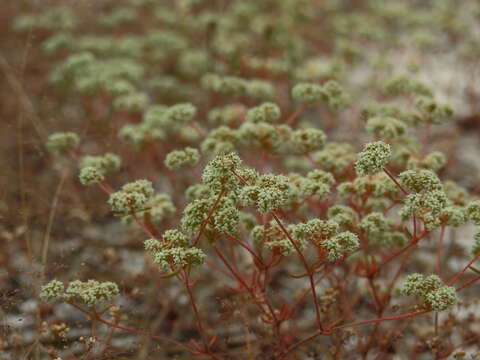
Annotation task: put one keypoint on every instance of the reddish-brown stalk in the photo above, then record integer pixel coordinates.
(204, 225)
(295, 115)
(307, 269)
(184, 278)
(142, 226)
(250, 290)
(467, 284)
(330, 330)
(96, 317)
(199, 131)
(439, 251)
(456, 277)
(246, 247)
(391, 176)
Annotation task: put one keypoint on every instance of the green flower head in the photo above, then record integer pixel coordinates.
(373, 158)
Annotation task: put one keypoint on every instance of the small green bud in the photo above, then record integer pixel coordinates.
(227, 115)
(476, 244)
(442, 298)
(52, 291)
(434, 112)
(473, 212)
(274, 239)
(220, 140)
(455, 193)
(453, 215)
(307, 93)
(335, 96)
(335, 157)
(197, 191)
(182, 158)
(315, 231)
(91, 175)
(373, 158)
(91, 292)
(343, 243)
(434, 161)
(403, 85)
(220, 173)
(374, 225)
(386, 127)
(62, 141)
(174, 251)
(418, 180)
(269, 193)
(134, 102)
(105, 164)
(132, 197)
(343, 215)
(260, 89)
(180, 113)
(307, 140)
(267, 112)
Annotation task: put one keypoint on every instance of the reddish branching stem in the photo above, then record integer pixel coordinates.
(204, 225)
(307, 268)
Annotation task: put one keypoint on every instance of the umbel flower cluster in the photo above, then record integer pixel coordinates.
(174, 251)
(430, 289)
(286, 166)
(91, 292)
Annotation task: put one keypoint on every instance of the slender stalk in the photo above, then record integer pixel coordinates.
(468, 284)
(330, 330)
(413, 242)
(142, 226)
(371, 321)
(439, 251)
(133, 331)
(199, 131)
(296, 114)
(237, 277)
(378, 304)
(391, 176)
(327, 272)
(105, 187)
(307, 268)
(245, 246)
(454, 280)
(51, 217)
(248, 288)
(187, 284)
(204, 225)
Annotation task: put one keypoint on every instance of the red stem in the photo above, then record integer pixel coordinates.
(133, 331)
(304, 261)
(195, 311)
(243, 283)
(198, 130)
(365, 322)
(142, 226)
(245, 246)
(464, 269)
(390, 175)
(413, 242)
(371, 321)
(204, 225)
(238, 277)
(468, 284)
(296, 114)
(105, 187)
(439, 251)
